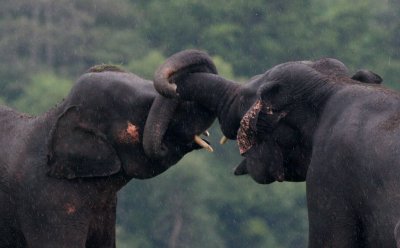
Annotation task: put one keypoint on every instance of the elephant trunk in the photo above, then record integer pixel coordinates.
(164, 106)
(191, 76)
(156, 125)
(180, 64)
(218, 95)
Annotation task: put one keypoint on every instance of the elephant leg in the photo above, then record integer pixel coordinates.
(332, 220)
(397, 234)
(102, 228)
(49, 229)
(10, 235)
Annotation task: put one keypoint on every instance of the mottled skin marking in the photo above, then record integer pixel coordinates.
(130, 135)
(351, 188)
(69, 208)
(246, 136)
(60, 172)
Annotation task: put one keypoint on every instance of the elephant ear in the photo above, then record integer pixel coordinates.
(247, 133)
(77, 149)
(258, 122)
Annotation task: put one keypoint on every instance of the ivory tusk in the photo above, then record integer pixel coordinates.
(202, 143)
(206, 133)
(223, 140)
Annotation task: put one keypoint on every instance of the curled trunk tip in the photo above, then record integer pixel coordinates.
(181, 63)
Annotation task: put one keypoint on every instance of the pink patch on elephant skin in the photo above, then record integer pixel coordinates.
(246, 136)
(130, 135)
(69, 208)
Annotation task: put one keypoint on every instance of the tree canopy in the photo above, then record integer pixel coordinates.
(45, 45)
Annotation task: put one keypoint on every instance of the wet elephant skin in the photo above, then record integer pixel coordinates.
(60, 171)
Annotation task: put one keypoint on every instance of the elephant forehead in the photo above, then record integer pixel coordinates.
(130, 134)
(246, 136)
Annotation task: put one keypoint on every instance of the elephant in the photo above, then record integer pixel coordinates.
(231, 101)
(397, 234)
(310, 121)
(60, 171)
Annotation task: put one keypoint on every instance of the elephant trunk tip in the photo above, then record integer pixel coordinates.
(187, 61)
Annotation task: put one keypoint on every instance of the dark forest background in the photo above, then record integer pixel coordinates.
(45, 45)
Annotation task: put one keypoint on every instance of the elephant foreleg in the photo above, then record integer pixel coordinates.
(47, 230)
(332, 222)
(102, 228)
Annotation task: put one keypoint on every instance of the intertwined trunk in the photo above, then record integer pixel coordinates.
(217, 94)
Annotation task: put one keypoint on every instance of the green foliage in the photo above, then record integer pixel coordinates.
(224, 68)
(178, 213)
(199, 202)
(214, 207)
(44, 91)
(146, 65)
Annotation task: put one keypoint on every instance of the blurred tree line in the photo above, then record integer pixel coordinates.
(45, 45)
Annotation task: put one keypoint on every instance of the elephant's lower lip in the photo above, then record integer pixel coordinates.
(273, 177)
(267, 181)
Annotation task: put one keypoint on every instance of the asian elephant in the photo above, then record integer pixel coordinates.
(60, 172)
(232, 104)
(397, 234)
(312, 121)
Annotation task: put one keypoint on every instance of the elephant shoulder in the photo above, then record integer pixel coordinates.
(12, 123)
(7, 113)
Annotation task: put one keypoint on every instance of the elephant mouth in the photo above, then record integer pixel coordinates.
(185, 145)
(266, 175)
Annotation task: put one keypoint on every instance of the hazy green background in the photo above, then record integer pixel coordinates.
(45, 45)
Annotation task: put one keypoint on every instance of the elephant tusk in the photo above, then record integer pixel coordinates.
(223, 140)
(174, 86)
(202, 143)
(206, 133)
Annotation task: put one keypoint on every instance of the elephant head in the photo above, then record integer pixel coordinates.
(283, 114)
(264, 114)
(102, 128)
(163, 109)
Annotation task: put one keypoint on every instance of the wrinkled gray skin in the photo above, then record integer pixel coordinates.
(231, 101)
(344, 135)
(60, 172)
(397, 234)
